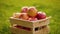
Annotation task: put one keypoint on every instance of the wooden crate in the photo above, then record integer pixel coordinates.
(44, 30)
(36, 27)
(30, 24)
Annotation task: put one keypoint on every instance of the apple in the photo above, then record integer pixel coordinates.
(24, 10)
(22, 27)
(17, 26)
(41, 15)
(32, 12)
(32, 19)
(16, 15)
(24, 16)
(28, 29)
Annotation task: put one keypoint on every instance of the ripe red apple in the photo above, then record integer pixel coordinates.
(24, 10)
(32, 11)
(17, 26)
(24, 16)
(22, 27)
(28, 29)
(32, 19)
(41, 15)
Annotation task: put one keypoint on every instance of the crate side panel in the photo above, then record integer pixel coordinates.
(21, 23)
(45, 30)
(20, 31)
(41, 23)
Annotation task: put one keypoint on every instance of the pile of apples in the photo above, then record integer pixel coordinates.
(30, 13)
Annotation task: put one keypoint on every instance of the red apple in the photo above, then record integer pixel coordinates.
(24, 16)
(32, 11)
(17, 26)
(24, 10)
(28, 29)
(22, 27)
(41, 15)
(32, 19)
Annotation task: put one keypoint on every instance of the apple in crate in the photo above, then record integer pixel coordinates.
(32, 19)
(22, 27)
(41, 15)
(16, 15)
(24, 16)
(32, 12)
(24, 10)
(17, 26)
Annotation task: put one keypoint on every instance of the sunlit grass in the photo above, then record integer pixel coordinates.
(51, 7)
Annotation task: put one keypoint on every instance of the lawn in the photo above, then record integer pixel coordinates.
(51, 7)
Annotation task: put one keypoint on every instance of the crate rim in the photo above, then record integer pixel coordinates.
(31, 21)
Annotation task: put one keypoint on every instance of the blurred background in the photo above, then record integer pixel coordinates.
(51, 7)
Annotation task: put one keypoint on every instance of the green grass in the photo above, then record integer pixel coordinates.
(51, 7)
